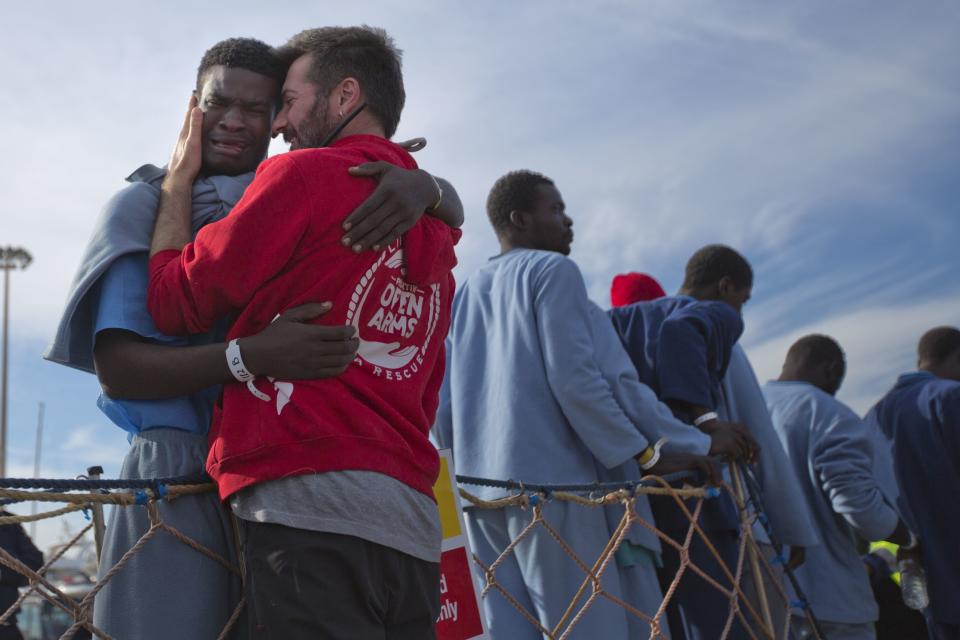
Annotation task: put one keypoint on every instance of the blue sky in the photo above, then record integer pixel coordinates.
(821, 139)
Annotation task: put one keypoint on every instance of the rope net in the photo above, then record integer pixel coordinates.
(754, 587)
(81, 611)
(754, 610)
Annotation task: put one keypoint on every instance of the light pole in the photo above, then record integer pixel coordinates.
(10, 258)
(37, 452)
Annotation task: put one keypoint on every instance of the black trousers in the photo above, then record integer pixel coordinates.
(698, 611)
(326, 586)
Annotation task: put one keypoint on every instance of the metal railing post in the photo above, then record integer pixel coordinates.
(99, 528)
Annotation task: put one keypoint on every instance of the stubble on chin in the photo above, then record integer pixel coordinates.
(315, 129)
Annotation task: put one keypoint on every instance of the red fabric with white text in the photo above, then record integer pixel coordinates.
(279, 248)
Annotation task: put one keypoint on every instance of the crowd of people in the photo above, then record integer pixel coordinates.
(526, 339)
(304, 349)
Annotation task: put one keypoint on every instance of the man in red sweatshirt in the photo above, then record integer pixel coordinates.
(332, 478)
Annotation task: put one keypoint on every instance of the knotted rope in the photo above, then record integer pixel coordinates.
(81, 494)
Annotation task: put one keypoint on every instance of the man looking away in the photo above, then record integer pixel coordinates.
(539, 388)
(332, 478)
(742, 401)
(680, 346)
(830, 452)
(920, 419)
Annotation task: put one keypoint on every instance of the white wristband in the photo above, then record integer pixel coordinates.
(235, 362)
(652, 462)
(707, 417)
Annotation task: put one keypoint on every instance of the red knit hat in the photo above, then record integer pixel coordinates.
(628, 288)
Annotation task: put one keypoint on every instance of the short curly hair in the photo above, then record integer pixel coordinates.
(938, 344)
(243, 53)
(365, 53)
(516, 191)
(715, 261)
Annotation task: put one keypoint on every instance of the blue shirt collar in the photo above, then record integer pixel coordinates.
(915, 376)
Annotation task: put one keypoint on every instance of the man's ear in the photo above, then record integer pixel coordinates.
(518, 219)
(348, 96)
(725, 286)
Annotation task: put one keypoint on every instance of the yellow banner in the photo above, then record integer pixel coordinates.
(446, 501)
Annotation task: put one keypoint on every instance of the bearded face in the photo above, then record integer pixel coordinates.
(304, 119)
(312, 129)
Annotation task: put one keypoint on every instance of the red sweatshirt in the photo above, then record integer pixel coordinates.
(279, 248)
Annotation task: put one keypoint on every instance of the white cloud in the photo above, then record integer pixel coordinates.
(68, 450)
(880, 342)
(83, 447)
(67, 453)
(667, 125)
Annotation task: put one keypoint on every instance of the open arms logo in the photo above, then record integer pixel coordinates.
(395, 320)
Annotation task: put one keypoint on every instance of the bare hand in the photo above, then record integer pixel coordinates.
(292, 348)
(674, 463)
(401, 197)
(187, 156)
(731, 439)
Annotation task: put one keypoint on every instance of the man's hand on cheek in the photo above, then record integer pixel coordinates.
(173, 227)
(187, 156)
(401, 197)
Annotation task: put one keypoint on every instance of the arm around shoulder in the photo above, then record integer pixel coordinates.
(132, 368)
(290, 348)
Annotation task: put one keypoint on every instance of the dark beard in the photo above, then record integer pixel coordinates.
(314, 129)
